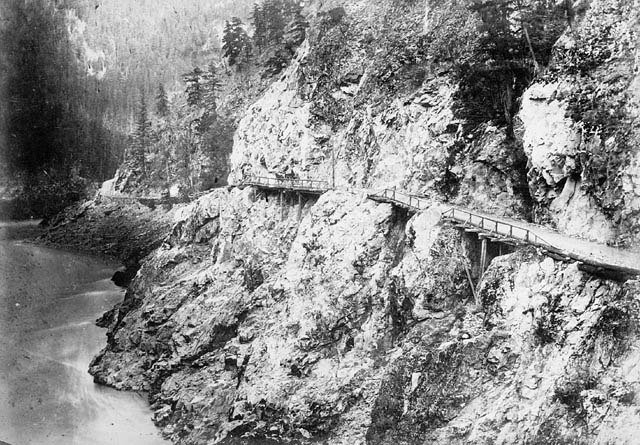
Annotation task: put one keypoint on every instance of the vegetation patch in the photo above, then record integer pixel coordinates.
(550, 323)
(616, 327)
(494, 50)
(606, 150)
(570, 391)
(448, 184)
(253, 276)
(321, 75)
(398, 59)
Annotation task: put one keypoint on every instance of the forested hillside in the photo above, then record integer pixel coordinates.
(75, 71)
(340, 319)
(183, 135)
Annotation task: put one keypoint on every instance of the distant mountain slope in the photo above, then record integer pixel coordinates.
(133, 45)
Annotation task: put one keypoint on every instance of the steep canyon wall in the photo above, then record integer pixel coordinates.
(335, 319)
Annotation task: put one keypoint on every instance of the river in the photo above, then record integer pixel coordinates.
(49, 300)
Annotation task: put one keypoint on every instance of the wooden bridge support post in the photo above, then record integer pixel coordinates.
(281, 205)
(476, 300)
(483, 256)
(299, 206)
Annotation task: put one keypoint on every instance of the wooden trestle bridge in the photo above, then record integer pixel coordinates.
(590, 256)
(491, 230)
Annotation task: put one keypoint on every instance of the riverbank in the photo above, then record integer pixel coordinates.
(50, 298)
(40, 196)
(123, 230)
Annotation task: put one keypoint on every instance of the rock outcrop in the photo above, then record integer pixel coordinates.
(338, 320)
(580, 127)
(411, 139)
(574, 157)
(346, 321)
(127, 230)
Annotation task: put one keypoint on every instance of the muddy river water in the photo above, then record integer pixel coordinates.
(49, 300)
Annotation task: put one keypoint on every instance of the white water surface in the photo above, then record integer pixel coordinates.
(49, 300)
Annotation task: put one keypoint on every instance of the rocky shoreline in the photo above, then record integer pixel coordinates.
(334, 319)
(345, 321)
(126, 231)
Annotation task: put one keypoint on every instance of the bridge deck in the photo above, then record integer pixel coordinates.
(289, 184)
(597, 256)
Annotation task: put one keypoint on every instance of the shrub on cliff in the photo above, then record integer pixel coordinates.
(279, 28)
(327, 59)
(505, 43)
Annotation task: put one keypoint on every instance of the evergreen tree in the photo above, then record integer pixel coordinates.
(295, 31)
(282, 51)
(185, 145)
(246, 51)
(162, 101)
(210, 87)
(259, 26)
(236, 44)
(513, 37)
(270, 19)
(193, 90)
(141, 136)
(275, 20)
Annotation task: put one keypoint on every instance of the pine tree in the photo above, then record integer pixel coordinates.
(141, 136)
(513, 37)
(193, 90)
(210, 87)
(185, 144)
(295, 31)
(270, 19)
(236, 44)
(274, 20)
(162, 102)
(259, 26)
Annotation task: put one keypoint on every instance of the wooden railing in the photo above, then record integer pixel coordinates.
(496, 226)
(408, 200)
(493, 228)
(485, 223)
(313, 185)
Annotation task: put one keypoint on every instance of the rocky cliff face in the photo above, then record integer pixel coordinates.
(580, 126)
(351, 132)
(344, 320)
(574, 157)
(335, 319)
